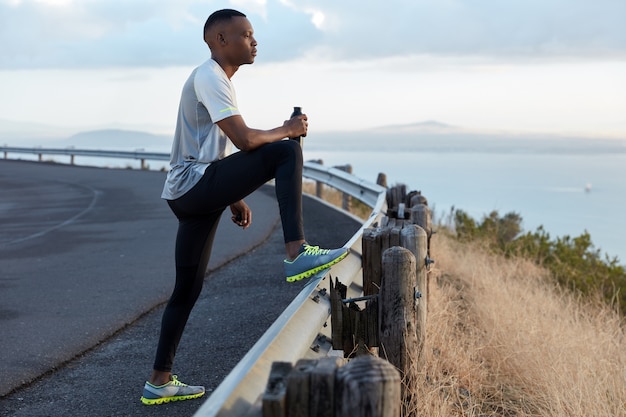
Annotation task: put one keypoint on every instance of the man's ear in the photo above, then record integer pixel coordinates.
(215, 39)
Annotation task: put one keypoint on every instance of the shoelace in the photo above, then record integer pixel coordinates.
(176, 382)
(315, 250)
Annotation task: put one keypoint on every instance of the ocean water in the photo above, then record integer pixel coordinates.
(567, 194)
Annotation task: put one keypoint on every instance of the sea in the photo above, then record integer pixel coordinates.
(568, 186)
(567, 190)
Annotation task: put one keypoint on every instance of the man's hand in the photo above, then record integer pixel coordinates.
(242, 215)
(297, 125)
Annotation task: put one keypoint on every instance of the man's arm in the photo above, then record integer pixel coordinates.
(248, 139)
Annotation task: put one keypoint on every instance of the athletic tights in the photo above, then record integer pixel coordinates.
(199, 210)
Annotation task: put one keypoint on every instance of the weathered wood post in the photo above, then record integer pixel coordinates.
(355, 331)
(414, 239)
(398, 318)
(298, 388)
(275, 395)
(382, 179)
(421, 216)
(322, 392)
(395, 196)
(374, 242)
(368, 387)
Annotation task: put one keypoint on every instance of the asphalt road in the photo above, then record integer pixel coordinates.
(86, 263)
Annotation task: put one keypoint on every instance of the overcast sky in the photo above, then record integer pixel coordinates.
(557, 65)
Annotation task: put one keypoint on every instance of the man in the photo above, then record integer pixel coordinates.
(204, 179)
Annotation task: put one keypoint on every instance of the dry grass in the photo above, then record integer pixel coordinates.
(501, 341)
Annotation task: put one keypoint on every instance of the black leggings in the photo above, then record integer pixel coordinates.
(199, 211)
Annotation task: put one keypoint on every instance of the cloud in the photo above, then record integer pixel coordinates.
(101, 33)
(478, 27)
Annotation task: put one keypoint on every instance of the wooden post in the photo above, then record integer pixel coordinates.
(368, 387)
(382, 179)
(322, 387)
(398, 318)
(309, 388)
(40, 157)
(354, 331)
(415, 198)
(274, 397)
(414, 238)
(298, 386)
(420, 215)
(338, 292)
(71, 159)
(395, 196)
(374, 242)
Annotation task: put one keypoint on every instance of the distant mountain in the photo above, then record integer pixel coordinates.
(119, 139)
(426, 126)
(15, 133)
(433, 136)
(426, 136)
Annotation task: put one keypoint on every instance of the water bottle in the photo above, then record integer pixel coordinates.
(297, 111)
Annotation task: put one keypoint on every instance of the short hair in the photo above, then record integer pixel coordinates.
(220, 16)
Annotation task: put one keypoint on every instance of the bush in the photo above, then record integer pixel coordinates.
(573, 262)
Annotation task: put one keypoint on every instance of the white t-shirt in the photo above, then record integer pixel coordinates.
(208, 96)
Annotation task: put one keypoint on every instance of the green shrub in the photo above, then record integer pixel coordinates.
(573, 262)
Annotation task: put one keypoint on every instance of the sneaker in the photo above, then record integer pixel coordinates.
(311, 260)
(172, 391)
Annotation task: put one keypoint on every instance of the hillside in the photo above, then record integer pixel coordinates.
(501, 341)
(119, 139)
(436, 137)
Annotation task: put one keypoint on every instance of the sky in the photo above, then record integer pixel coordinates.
(516, 65)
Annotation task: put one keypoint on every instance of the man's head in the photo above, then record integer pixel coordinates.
(219, 17)
(230, 37)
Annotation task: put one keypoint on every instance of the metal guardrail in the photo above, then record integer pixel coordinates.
(154, 156)
(102, 153)
(301, 330)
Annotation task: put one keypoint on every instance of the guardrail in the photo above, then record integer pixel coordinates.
(302, 330)
(71, 152)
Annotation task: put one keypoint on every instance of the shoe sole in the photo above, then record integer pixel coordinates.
(164, 400)
(317, 269)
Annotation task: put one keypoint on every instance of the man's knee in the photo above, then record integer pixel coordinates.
(293, 148)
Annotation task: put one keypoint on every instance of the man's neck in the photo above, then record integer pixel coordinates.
(230, 70)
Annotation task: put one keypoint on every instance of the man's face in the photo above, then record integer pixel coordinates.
(241, 45)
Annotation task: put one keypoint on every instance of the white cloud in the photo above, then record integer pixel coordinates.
(521, 64)
(81, 33)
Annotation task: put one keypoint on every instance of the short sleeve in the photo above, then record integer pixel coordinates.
(215, 91)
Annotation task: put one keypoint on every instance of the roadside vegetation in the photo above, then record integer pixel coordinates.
(505, 339)
(574, 263)
(519, 324)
